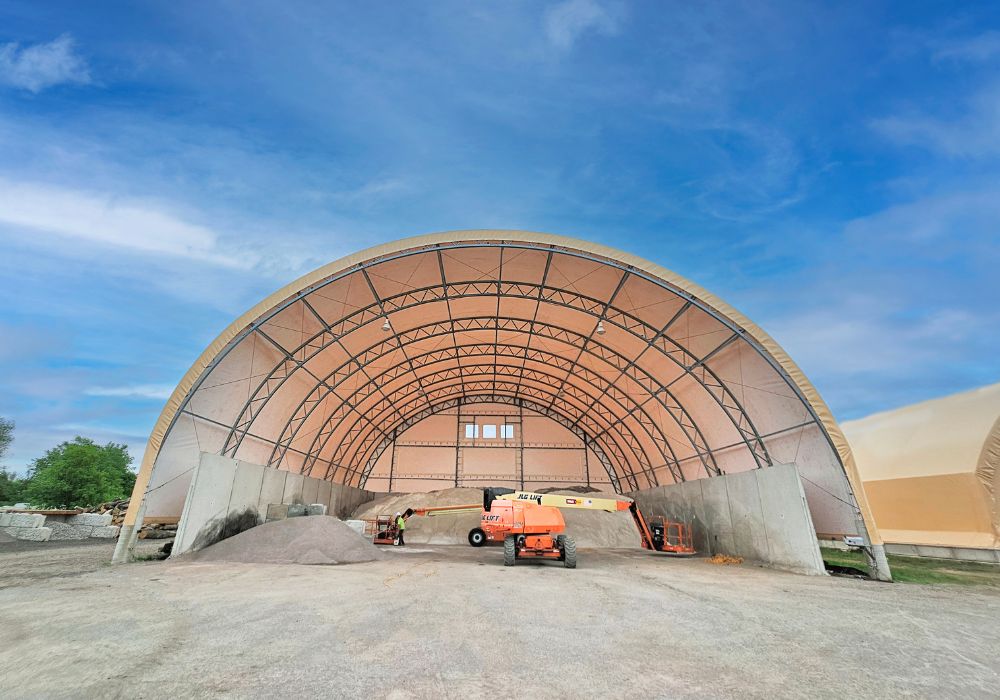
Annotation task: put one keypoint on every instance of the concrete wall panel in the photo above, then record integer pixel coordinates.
(749, 534)
(208, 498)
(272, 489)
(791, 534)
(760, 515)
(293, 488)
(718, 519)
(310, 490)
(223, 490)
(323, 494)
(247, 482)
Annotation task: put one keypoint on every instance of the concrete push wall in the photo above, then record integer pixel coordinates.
(227, 496)
(760, 515)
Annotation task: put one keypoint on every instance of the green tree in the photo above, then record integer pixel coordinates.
(11, 488)
(6, 435)
(80, 474)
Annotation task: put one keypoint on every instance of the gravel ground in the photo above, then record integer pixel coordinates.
(451, 621)
(25, 563)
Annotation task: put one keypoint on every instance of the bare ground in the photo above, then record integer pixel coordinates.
(452, 621)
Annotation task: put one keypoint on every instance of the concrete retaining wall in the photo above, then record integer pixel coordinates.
(760, 515)
(227, 496)
(39, 527)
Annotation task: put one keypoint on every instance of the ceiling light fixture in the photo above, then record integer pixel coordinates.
(600, 327)
(385, 325)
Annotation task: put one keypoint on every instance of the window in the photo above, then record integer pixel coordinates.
(471, 431)
(507, 432)
(490, 431)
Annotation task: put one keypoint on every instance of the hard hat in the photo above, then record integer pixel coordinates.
(398, 513)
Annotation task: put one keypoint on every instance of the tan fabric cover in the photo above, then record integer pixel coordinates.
(704, 330)
(930, 469)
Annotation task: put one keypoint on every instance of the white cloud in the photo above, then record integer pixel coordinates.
(108, 220)
(975, 134)
(567, 22)
(976, 49)
(133, 391)
(861, 334)
(42, 66)
(945, 222)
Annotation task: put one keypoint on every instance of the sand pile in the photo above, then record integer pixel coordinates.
(439, 529)
(590, 528)
(316, 539)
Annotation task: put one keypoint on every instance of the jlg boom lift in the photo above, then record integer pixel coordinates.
(531, 526)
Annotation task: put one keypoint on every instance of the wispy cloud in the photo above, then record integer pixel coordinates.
(973, 134)
(133, 391)
(974, 49)
(40, 66)
(568, 21)
(107, 220)
(964, 220)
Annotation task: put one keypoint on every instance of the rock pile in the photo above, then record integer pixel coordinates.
(117, 510)
(319, 539)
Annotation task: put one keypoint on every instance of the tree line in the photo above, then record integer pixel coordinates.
(74, 474)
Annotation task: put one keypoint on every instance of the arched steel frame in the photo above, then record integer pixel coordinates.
(696, 368)
(611, 436)
(656, 338)
(657, 390)
(465, 399)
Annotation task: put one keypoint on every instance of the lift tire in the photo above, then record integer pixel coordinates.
(477, 538)
(509, 550)
(560, 544)
(569, 552)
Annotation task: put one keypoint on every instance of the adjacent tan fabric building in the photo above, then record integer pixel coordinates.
(618, 368)
(931, 470)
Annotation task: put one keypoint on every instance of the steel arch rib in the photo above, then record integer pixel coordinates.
(656, 390)
(671, 461)
(512, 398)
(474, 370)
(483, 385)
(703, 374)
(454, 353)
(462, 400)
(546, 391)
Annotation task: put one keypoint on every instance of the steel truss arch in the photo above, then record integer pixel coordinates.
(475, 350)
(656, 339)
(606, 433)
(656, 389)
(508, 372)
(471, 399)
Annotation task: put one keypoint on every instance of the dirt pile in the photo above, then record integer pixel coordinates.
(590, 528)
(316, 539)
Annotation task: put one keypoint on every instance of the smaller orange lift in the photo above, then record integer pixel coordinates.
(382, 529)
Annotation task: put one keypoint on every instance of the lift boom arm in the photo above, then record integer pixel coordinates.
(608, 504)
(582, 501)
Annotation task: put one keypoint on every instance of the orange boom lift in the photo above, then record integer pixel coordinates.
(531, 526)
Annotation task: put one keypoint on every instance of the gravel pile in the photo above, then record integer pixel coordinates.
(316, 539)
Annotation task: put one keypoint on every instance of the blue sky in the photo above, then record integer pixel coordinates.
(831, 169)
